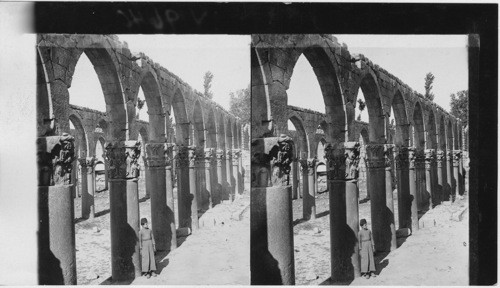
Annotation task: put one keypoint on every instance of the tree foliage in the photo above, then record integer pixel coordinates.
(429, 79)
(459, 104)
(207, 84)
(239, 104)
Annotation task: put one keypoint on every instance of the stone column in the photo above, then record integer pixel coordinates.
(420, 179)
(221, 191)
(236, 171)
(457, 155)
(229, 174)
(389, 197)
(84, 188)
(461, 173)
(441, 176)
(429, 163)
(155, 165)
(449, 176)
(342, 172)
(311, 195)
(88, 189)
(183, 192)
(295, 178)
(271, 234)
(306, 198)
(193, 163)
(147, 178)
(56, 231)
(240, 174)
(124, 208)
(404, 200)
(106, 168)
(412, 155)
(209, 156)
(168, 150)
(378, 182)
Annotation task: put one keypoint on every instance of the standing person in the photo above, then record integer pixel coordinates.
(148, 249)
(366, 248)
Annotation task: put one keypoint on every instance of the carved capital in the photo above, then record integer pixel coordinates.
(457, 155)
(122, 158)
(304, 167)
(229, 154)
(271, 160)
(181, 156)
(155, 154)
(219, 155)
(418, 159)
(342, 160)
(440, 156)
(311, 163)
(55, 156)
(401, 157)
(208, 156)
(236, 157)
(375, 156)
(168, 152)
(88, 163)
(430, 158)
(193, 156)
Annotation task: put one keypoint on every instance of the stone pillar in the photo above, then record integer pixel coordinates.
(420, 179)
(83, 179)
(461, 173)
(412, 155)
(430, 158)
(342, 173)
(306, 198)
(209, 156)
(124, 208)
(193, 163)
(310, 196)
(106, 168)
(236, 171)
(229, 174)
(240, 175)
(441, 176)
(155, 165)
(147, 179)
(379, 183)
(183, 192)
(56, 231)
(449, 176)
(168, 150)
(404, 199)
(271, 234)
(88, 187)
(457, 155)
(221, 191)
(295, 178)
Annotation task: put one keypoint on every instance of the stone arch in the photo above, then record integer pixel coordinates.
(198, 125)
(181, 120)
(418, 126)
(449, 135)
(229, 134)
(82, 145)
(364, 136)
(442, 134)
(45, 109)
(221, 133)
(303, 144)
(103, 124)
(402, 126)
(236, 142)
(320, 149)
(211, 129)
(144, 136)
(431, 142)
(376, 115)
(456, 138)
(262, 124)
(107, 73)
(149, 84)
(102, 142)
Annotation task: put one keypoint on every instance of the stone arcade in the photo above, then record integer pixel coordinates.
(424, 153)
(205, 150)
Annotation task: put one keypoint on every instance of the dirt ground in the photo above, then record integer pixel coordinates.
(218, 255)
(434, 255)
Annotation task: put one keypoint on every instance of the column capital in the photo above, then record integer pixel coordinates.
(88, 162)
(155, 154)
(416, 157)
(430, 158)
(342, 160)
(271, 160)
(122, 157)
(194, 156)
(236, 156)
(401, 157)
(311, 165)
(219, 155)
(55, 156)
(376, 155)
(168, 152)
(181, 156)
(229, 154)
(457, 155)
(440, 156)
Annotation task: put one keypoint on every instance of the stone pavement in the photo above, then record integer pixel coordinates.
(219, 254)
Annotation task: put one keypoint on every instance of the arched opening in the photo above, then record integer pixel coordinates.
(297, 131)
(100, 168)
(211, 130)
(376, 116)
(398, 113)
(198, 125)
(180, 120)
(143, 137)
(45, 114)
(431, 141)
(321, 181)
(418, 127)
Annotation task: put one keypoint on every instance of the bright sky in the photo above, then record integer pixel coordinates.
(187, 56)
(408, 57)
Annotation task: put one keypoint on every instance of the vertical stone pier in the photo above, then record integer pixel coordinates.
(236, 171)
(430, 157)
(461, 173)
(221, 191)
(441, 175)
(84, 188)
(147, 178)
(209, 156)
(56, 231)
(306, 197)
(420, 179)
(457, 156)
(342, 172)
(155, 165)
(271, 234)
(311, 168)
(193, 163)
(229, 174)
(168, 150)
(404, 200)
(413, 189)
(295, 178)
(124, 208)
(183, 192)
(389, 197)
(449, 176)
(381, 215)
